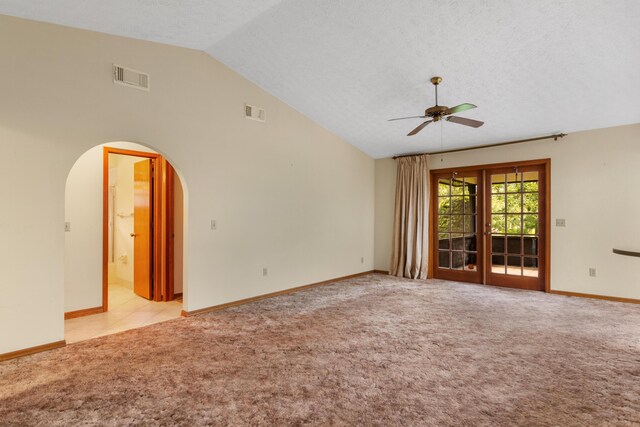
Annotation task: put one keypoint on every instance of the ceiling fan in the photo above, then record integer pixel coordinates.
(438, 112)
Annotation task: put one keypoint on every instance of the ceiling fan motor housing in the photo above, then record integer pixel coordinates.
(436, 112)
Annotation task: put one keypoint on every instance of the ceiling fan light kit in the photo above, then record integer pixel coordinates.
(439, 112)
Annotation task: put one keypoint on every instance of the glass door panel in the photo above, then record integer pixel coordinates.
(458, 227)
(514, 226)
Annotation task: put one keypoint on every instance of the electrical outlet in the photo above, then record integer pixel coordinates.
(265, 271)
(214, 226)
(67, 227)
(560, 222)
(592, 272)
(362, 260)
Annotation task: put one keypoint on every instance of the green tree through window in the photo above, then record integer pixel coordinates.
(507, 209)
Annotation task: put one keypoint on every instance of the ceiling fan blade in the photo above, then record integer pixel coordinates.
(459, 108)
(412, 117)
(419, 128)
(465, 121)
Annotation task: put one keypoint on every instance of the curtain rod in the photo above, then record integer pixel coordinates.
(519, 141)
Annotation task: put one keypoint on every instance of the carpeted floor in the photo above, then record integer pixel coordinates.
(369, 351)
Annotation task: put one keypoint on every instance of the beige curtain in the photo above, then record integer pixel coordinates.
(411, 218)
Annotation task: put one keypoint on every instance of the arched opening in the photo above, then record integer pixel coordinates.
(124, 240)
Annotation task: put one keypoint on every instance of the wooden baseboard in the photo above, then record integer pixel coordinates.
(32, 350)
(83, 312)
(178, 295)
(380, 272)
(594, 296)
(270, 295)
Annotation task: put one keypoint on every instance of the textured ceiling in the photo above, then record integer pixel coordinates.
(196, 24)
(532, 67)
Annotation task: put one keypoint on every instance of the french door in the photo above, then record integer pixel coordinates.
(489, 224)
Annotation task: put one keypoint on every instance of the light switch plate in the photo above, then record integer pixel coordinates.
(67, 227)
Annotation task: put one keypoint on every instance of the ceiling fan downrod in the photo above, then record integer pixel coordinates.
(436, 81)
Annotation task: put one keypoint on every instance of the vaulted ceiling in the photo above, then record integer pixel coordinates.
(531, 67)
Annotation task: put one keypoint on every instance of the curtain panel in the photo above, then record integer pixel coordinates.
(411, 218)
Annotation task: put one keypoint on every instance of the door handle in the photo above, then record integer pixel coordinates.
(133, 234)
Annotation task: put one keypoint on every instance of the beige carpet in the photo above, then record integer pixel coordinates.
(368, 351)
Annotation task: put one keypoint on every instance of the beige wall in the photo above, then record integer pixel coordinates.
(385, 200)
(83, 211)
(593, 176)
(286, 194)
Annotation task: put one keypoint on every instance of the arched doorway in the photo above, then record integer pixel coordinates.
(100, 259)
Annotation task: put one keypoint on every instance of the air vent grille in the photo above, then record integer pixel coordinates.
(130, 78)
(255, 113)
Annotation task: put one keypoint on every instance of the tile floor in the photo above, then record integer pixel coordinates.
(126, 311)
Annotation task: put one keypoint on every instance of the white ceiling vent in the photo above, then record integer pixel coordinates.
(131, 78)
(255, 113)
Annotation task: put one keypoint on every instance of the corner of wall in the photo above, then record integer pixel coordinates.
(385, 187)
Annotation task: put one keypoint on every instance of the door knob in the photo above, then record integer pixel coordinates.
(133, 234)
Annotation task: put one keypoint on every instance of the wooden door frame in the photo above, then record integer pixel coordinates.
(546, 163)
(162, 246)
